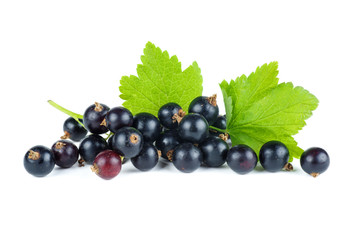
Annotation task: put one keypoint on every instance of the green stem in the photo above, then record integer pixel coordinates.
(218, 129)
(109, 135)
(66, 111)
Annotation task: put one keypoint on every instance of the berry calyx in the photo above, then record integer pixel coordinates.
(33, 155)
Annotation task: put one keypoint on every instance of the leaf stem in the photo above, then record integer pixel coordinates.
(218, 129)
(76, 116)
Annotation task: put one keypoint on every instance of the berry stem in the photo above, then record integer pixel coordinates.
(218, 129)
(66, 111)
(109, 135)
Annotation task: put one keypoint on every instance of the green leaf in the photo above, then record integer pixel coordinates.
(160, 80)
(260, 110)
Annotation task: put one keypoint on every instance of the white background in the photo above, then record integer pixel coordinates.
(75, 52)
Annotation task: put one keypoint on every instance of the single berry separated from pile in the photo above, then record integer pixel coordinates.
(315, 161)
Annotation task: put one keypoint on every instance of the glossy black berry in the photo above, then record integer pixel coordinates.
(91, 146)
(166, 143)
(117, 118)
(206, 106)
(273, 156)
(241, 159)
(315, 161)
(187, 158)
(220, 122)
(193, 128)
(94, 118)
(39, 161)
(148, 125)
(73, 130)
(147, 158)
(214, 151)
(66, 153)
(128, 142)
(168, 115)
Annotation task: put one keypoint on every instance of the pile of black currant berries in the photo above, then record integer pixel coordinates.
(188, 140)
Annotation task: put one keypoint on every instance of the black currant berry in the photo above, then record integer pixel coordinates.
(66, 153)
(109, 141)
(166, 143)
(315, 161)
(273, 156)
(214, 151)
(147, 158)
(91, 146)
(117, 118)
(206, 106)
(94, 116)
(187, 158)
(193, 128)
(169, 115)
(241, 159)
(107, 164)
(128, 142)
(73, 130)
(220, 122)
(39, 161)
(148, 125)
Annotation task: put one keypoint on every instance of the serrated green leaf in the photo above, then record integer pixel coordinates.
(160, 80)
(263, 110)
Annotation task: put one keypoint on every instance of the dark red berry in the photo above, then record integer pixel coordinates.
(107, 164)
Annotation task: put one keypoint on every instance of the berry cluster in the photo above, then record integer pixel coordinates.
(187, 139)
